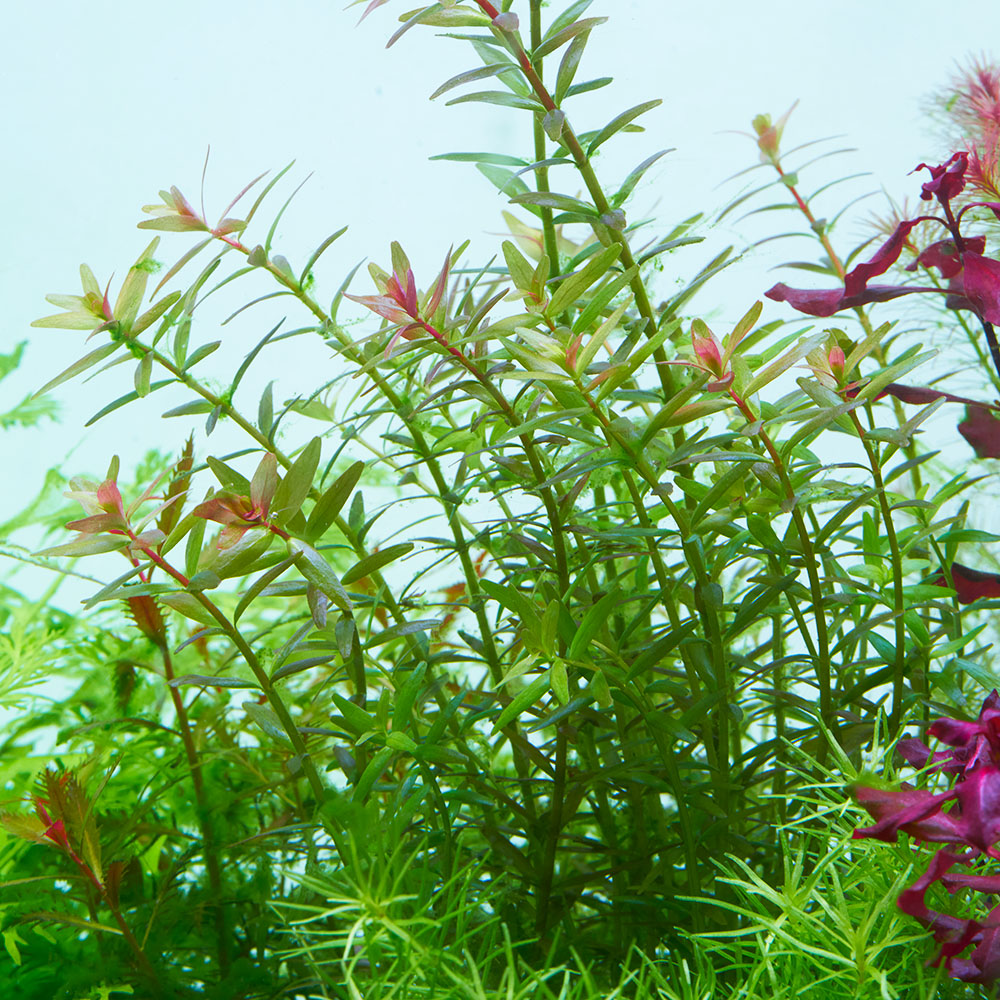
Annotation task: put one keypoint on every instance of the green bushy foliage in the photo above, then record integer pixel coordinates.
(528, 651)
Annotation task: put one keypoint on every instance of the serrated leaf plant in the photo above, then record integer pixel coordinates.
(505, 657)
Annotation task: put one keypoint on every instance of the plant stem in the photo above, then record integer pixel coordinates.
(203, 809)
(542, 173)
(555, 823)
(899, 604)
(608, 228)
(260, 674)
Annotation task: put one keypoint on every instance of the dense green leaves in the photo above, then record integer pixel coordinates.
(516, 637)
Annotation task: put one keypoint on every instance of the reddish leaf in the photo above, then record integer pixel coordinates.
(971, 584)
(826, 302)
(982, 430)
(947, 179)
(856, 281)
(981, 279)
(944, 255)
(147, 616)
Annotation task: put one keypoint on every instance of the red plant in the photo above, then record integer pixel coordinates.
(975, 278)
(970, 828)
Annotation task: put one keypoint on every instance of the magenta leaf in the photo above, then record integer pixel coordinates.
(981, 279)
(856, 280)
(972, 821)
(913, 810)
(982, 430)
(971, 585)
(947, 179)
(911, 899)
(945, 255)
(827, 301)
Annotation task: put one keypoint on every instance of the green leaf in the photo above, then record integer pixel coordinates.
(602, 298)
(265, 718)
(572, 286)
(188, 409)
(548, 421)
(560, 202)
(243, 557)
(192, 548)
(330, 503)
(265, 410)
(567, 17)
(228, 476)
(143, 371)
(560, 38)
(254, 590)
(190, 607)
(403, 628)
(375, 769)
(471, 75)
(174, 270)
(568, 66)
(110, 590)
(203, 352)
(319, 573)
(503, 98)
(504, 180)
(406, 696)
(151, 315)
(518, 267)
(134, 286)
(666, 245)
(206, 680)
(294, 488)
(513, 600)
(523, 700)
(441, 15)
(497, 159)
(356, 718)
(589, 351)
(174, 224)
(593, 621)
(86, 545)
(630, 182)
(400, 741)
(319, 251)
(791, 357)
(619, 122)
(87, 361)
(374, 562)
(356, 515)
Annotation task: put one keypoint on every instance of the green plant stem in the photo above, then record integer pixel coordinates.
(203, 809)
(555, 824)
(274, 699)
(542, 173)
(609, 230)
(899, 604)
(716, 747)
(822, 660)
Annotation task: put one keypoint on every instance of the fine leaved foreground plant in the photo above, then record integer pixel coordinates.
(534, 648)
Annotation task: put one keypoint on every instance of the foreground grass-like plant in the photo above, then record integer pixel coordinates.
(312, 745)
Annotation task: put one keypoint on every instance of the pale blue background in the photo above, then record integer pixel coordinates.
(107, 102)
